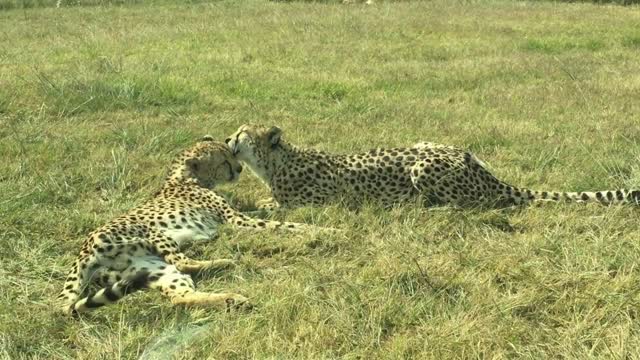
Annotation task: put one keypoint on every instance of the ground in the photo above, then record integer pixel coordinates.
(95, 101)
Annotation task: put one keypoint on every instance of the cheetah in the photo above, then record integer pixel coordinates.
(142, 248)
(441, 174)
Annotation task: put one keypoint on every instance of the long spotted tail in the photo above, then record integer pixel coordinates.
(112, 293)
(606, 197)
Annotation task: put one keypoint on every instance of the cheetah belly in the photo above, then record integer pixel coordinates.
(121, 260)
(184, 236)
(147, 263)
(199, 225)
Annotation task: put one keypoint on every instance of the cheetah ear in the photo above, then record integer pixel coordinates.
(207, 138)
(274, 135)
(193, 164)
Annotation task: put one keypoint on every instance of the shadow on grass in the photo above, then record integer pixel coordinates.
(174, 340)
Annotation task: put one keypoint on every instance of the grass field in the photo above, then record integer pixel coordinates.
(95, 101)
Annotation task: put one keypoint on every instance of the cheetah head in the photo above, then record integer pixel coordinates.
(211, 163)
(253, 145)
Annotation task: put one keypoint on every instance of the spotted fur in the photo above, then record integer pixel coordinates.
(440, 173)
(142, 248)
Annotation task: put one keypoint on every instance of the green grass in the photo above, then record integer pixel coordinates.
(94, 102)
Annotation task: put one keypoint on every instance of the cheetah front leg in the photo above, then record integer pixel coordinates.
(243, 221)
(268, 204)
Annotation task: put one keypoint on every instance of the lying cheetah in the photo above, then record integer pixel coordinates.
(141, 248)
(442, 174)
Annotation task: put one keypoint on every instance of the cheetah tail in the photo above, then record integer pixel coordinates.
(606, 197)
(112, 293)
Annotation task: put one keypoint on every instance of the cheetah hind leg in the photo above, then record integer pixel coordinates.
(75, 284)
(193, 266)
(180, 289)
(220, 301)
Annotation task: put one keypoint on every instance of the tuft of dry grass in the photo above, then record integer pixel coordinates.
(94, 102)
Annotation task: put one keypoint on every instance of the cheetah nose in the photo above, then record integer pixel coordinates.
(227, 140)
(239, 169)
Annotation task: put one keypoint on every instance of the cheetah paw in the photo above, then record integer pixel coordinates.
(222, 264)
(236, 302)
